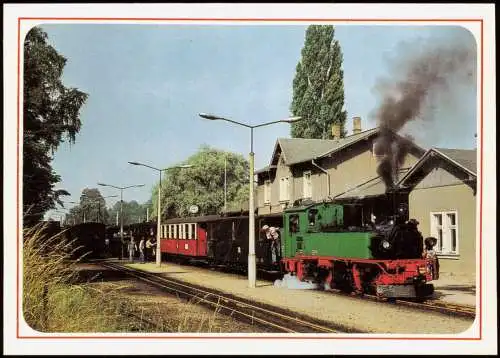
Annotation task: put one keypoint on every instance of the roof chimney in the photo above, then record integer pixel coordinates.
(356, 125)
(336, 131)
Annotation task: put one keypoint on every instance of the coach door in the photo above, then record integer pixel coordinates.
(201, 243)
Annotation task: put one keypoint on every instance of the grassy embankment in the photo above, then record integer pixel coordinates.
(55, 299)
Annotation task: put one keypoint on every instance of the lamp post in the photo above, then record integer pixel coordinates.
(252, 267)
(121, 188)
(158, 219)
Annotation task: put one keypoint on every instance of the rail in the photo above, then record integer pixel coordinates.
(276, 318)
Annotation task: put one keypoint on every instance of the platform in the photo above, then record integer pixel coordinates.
(358, 314)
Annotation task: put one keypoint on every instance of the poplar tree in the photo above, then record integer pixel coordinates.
(318, 86)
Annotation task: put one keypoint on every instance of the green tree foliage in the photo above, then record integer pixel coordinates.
(318, 86)
(92, 208)
(133, 212)
(203, 184)
(51, 115)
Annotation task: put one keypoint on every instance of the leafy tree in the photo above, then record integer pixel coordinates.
(92, 208)
(318, 86)
(133, 212)
(51, 115)
(203, 184)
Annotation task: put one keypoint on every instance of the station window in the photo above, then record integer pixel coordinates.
(285, 189)
(444, 227)
(307, 185)
(267, 192)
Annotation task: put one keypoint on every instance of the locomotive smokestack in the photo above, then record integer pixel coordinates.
(422, 77)
(336, 131)
(356, 125)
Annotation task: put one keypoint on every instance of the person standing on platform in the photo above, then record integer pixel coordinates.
(132, 248)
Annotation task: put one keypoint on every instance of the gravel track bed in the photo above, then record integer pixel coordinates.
(359, 314)
(174, 315)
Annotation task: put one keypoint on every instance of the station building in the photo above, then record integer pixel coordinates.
(439, 186)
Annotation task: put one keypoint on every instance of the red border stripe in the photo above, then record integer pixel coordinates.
(248, 20)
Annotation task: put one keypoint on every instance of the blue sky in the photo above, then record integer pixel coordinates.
(147, 83)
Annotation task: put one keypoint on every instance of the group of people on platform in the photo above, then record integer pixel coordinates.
(146, 248)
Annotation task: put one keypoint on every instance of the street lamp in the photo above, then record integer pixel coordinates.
(158, 220)
(121, 188)
(252, 267)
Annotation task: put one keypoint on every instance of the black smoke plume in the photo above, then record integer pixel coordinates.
(416, 79)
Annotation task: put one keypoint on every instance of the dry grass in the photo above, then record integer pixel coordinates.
(54, 301)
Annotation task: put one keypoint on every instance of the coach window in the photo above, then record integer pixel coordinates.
(190, 231)
(195, 236)
(174, 231)
(186, 231)
(181, 231)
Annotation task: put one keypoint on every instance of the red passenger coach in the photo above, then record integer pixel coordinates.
(185, 237)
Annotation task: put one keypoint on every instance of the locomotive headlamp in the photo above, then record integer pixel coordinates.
(386, 244)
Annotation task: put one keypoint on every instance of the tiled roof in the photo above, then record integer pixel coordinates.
(299, 150)
(467, 158)
(463, 158)
(265, 169)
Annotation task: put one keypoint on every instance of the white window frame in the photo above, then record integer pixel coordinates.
(190, 231)
(307, 185)
(267, 192)
(284, 189)
(195, 232)
(446, 228)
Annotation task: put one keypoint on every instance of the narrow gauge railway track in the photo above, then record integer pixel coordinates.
(443, 307)
(276, 318)
(450, 309)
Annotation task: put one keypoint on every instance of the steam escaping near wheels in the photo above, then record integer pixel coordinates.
(292, 283)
